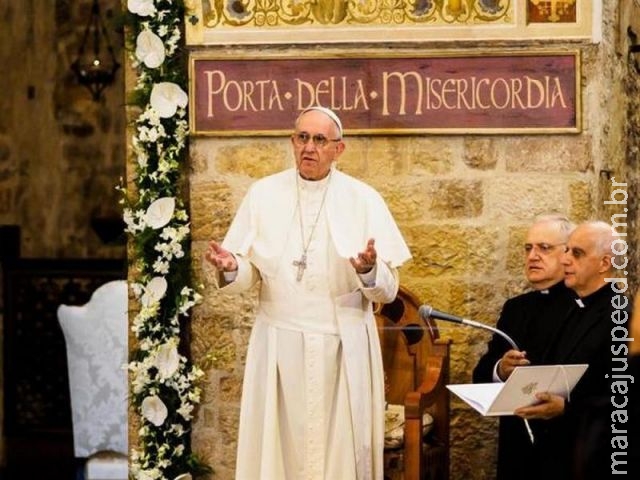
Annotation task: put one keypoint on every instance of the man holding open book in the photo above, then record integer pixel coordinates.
(571, 435)
(530, 319)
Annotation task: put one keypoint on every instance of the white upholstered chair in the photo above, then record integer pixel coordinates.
(96, 343)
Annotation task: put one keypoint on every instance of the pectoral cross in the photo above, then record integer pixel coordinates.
(301, 264)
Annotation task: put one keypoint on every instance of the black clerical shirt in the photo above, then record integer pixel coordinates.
(578, 441)
(531, 320)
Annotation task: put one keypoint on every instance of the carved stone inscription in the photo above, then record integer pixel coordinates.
(462, 94)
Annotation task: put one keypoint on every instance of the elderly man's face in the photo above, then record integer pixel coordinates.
(312, 158)
(544, 249)
(585, 266)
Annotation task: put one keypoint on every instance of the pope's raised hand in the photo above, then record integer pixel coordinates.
(220, 258)
(365, 260)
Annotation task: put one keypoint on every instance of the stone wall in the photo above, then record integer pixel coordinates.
(463, 203)
(61, 154)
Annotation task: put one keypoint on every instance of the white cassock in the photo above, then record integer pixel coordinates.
(313, 394)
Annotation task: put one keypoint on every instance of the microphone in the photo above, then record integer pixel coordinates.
(426, 311)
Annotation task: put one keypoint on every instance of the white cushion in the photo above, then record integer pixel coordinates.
(394, 426)
(107, 466)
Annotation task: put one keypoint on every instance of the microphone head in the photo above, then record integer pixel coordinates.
(425, 311)
(428, 311)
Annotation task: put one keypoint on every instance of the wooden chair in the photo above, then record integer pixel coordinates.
(416, 365)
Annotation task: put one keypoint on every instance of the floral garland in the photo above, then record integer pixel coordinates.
(164, 384)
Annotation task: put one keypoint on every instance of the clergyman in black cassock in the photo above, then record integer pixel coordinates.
(530, 319)
(573, 435)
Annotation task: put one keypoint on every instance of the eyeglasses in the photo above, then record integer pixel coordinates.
(575, 252)
(318, 140)
(541, 248)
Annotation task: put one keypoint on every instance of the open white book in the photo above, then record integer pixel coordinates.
(491, 399)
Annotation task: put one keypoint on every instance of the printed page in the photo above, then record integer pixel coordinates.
(479, 395)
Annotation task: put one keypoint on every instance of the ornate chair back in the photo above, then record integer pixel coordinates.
(96, 344)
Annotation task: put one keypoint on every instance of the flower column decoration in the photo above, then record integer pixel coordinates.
(164, 385)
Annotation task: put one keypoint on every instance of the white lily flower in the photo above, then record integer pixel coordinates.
(154, 291)
(160, 212)
(150, 49)
(167, 360)
(154, 410)
(144, 8)
(166, 97)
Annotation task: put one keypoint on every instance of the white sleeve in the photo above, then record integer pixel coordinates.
(385, 286)
(369, 279)
(496, 378)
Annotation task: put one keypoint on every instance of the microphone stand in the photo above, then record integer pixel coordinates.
(491, 329)
(427, 311)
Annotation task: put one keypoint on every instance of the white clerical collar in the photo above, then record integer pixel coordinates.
(545, 291)
(580, 302)
(313, 185)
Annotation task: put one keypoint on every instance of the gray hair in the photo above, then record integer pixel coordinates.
(602, 235)
(560, 222)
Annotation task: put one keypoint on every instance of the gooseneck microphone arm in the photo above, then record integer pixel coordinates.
(427, 311)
